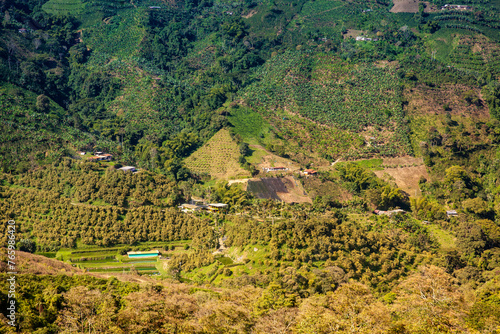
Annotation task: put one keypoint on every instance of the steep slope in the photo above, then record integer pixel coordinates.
(35, 130)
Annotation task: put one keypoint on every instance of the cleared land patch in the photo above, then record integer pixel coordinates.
(405, 172)
(405, 6)
(286, 189)
(218, 158)
(428, 100)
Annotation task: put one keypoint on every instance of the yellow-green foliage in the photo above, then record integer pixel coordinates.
(218, 157)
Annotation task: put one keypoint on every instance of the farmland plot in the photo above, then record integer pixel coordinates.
(218, 158)
(285, 189)
(336, 94)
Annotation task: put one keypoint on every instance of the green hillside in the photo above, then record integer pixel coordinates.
(381, 120)
(36, 131)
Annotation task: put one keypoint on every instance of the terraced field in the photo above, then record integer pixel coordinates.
(218, 158)
(110, 260)
(473, 53)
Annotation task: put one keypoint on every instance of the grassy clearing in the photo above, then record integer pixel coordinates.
(258, 154)
(373, 164)
(445, 239)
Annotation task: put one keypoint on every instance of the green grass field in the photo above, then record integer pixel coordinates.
(374, 164)
(445, 239)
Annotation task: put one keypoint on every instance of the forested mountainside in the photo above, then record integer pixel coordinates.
(340, 160)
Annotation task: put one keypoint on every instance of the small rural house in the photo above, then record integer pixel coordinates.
(217, 207)
(190, 208)
(389, 213)
(274, 169)
(310, 172)
(106, 157)
(128, 169)
(451, 213)
(101, 157)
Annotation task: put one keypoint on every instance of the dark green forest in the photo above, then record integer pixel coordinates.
(393, 107)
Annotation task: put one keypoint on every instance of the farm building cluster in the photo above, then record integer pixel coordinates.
(367, 39)
(275, 169)
(101, 157)
(198, 205)
(309, 172)
(390, 213)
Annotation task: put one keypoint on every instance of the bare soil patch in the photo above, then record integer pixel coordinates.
(386, 63)
(286, 189)
(317, 187)
(405, 6)
(406, 178)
